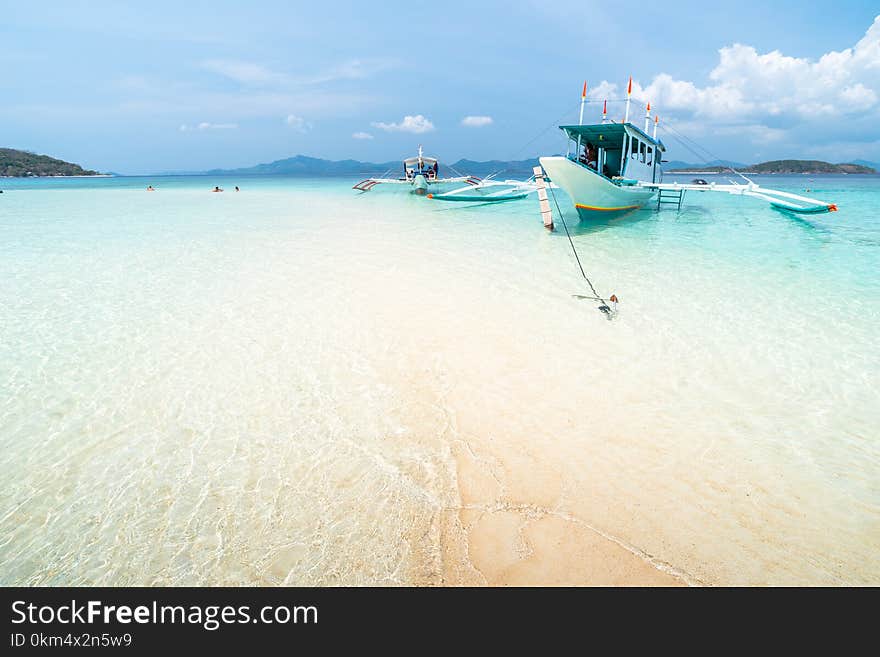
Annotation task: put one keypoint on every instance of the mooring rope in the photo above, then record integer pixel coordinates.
(531, 141)
(456, 171)
(681, 138)
(605, 308)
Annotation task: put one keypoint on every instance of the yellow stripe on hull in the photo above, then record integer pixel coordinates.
(591, 194)
(619, 209)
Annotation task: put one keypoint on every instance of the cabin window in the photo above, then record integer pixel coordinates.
(650, 159)
(643, 149)
(635, 149)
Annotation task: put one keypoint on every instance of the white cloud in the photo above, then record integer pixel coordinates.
(755, 132)
(259, 92)
(858, 96)
(603, 90)
(751, 87)
(244, 72)
(298, 123)
(252, 73)
(476, 121)
(416, 124)
(355, 69)
(205, 125)
(845, 151)
(362, 135)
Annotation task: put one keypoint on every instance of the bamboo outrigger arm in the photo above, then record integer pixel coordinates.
(781, 200)
(369, 183)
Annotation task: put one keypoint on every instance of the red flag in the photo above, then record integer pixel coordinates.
(584, 94)
(629, 87)
(649, 106)
(604, 107)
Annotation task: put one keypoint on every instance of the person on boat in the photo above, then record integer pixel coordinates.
(216, 189)
(592, 155)
(589, 156)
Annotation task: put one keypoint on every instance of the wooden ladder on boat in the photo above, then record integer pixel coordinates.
(546, 213)
(670, 197)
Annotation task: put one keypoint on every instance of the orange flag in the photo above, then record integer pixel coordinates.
(629, 87)
(584, 94)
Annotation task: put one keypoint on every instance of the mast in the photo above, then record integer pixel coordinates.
(629, 90)
(600, 162)
(583, 100)
(581, 118)
(647, 117)
(656, 121)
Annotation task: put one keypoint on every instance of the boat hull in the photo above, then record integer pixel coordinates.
(593, 195)
(420, 185)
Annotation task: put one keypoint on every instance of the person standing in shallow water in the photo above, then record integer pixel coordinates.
(237, 189)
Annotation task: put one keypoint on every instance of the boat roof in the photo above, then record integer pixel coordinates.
(415, 160)
(608, 135)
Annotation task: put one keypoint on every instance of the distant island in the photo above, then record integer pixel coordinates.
(23, 164)
(776, 166)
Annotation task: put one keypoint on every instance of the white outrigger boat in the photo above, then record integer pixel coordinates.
(421, 173)
(615, 169)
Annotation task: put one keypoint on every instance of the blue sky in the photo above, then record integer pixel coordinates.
(164, 86)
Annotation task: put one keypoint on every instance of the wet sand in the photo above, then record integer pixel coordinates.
(506, 534)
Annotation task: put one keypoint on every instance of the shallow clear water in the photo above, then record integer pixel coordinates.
(269, 386)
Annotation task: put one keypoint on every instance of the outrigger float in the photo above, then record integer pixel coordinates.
(420, 173)
(492, 191)
(615, 168)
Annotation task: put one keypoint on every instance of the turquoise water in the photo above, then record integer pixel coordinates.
(268, 386)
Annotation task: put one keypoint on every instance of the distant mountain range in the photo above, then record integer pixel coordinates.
(312, 166)
(865, 163)
(24, 164)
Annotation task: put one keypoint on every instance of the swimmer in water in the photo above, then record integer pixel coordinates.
(216, 189)
(150, 188)
(237, 189)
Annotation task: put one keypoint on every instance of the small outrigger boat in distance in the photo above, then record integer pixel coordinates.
(616, 169)
(421, 173)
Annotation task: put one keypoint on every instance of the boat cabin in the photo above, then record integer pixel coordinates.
(620, 152)
(421, 165)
